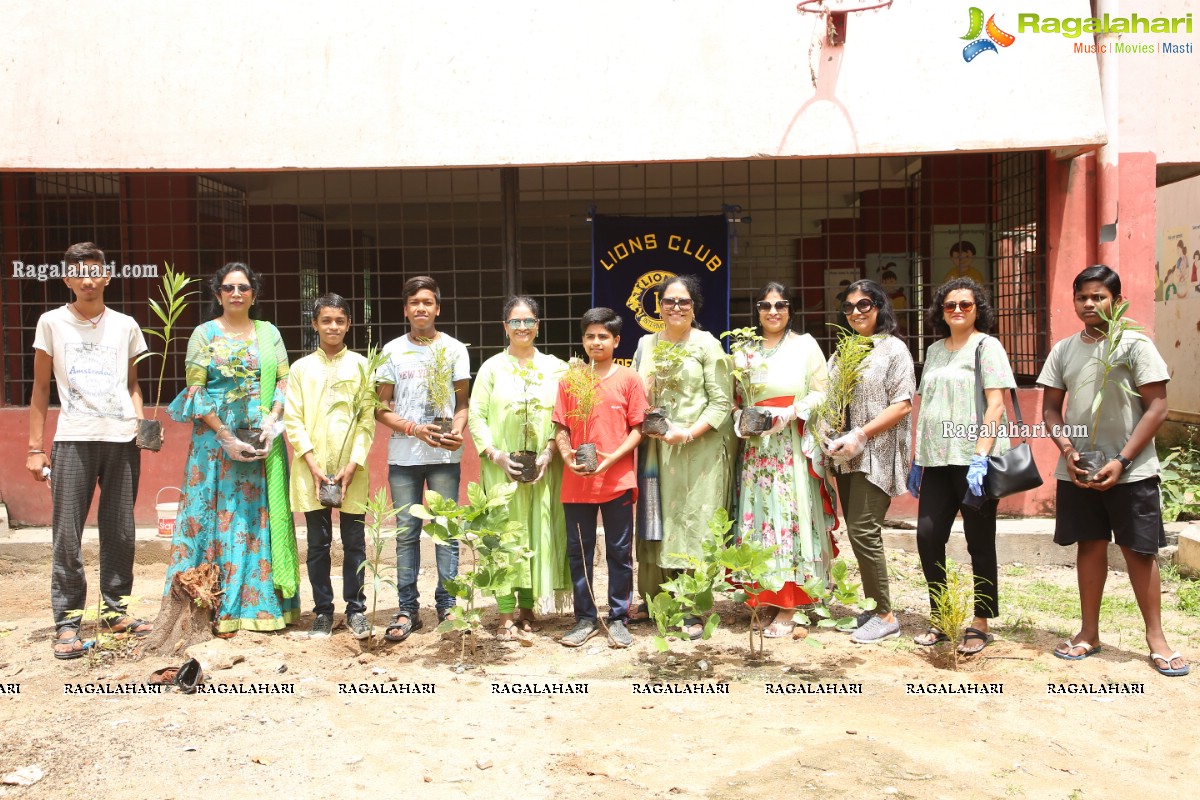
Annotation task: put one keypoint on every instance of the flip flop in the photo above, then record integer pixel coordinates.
(128, 624)
(772, 632)
(976, 634)
(1168, 670)
(938, 638)
(694, 622)
(640, 615)
(529, 624)
(512, 633)
(1088, 650)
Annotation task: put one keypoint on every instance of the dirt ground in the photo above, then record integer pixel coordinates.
(465, 740)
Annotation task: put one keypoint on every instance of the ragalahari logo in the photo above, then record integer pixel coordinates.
(980, 44)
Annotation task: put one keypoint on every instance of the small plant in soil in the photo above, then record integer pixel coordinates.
(439, 384)
(1181, 483)
(952, 608)
(1109, 358)
(173, 302)
(107, 644)
(749, 366)
(741, 571)
(493, 541)
(583, 384)
(666, 378)
(357, 399)
(380, 529)
(233, 361)
(830, 415)
(530, 411)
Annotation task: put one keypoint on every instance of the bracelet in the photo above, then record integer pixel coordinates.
(218, 431)
(409, 428)
(37, 452)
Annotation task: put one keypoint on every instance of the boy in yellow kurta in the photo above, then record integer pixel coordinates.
(330, 448)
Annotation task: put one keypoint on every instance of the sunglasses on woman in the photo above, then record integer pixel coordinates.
(677, 302)
(230, 288)
(517, 324)
(862, 306)
(965, 305)
(779, 305)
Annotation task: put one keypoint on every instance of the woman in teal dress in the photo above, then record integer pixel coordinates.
(517, 382)
(234, 511)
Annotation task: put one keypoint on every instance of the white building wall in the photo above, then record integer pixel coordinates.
(278, 85)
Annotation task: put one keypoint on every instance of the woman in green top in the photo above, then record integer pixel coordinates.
(951, 458)
(511, 405)
(695, 458)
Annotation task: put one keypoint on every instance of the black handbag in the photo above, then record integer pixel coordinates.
(1015, 471)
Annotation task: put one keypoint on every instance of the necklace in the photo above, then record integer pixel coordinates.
(230, 331)
(769, 351)
(86, 318)
(1083, 334)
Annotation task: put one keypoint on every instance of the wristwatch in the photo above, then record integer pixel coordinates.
(1123, 461)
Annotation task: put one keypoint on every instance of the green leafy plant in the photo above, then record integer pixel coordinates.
(493, 541)
(741, 571)
(232, 359)
(170, 306)
(358, 399)
(852, 349)
(951, 607)
(745, 345)
(1181, 483)
(1109, 358)
(380, 528)
(439, 377)
(666, 377)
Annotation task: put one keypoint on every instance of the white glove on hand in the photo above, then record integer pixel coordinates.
(848, 446)
(235, 447)
(501, 460)
(675, 434)
(783, 417)
(271, 431)
(543, 461)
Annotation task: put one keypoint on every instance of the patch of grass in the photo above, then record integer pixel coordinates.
(1041, 598)
(1187, 597)
(1015, 570)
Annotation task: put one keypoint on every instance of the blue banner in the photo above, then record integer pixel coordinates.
(632, 256)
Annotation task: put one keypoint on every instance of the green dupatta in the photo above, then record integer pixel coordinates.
(285, 566)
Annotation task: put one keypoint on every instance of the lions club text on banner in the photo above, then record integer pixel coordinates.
(632, 256)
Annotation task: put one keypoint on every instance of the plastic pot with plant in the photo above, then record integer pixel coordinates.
(830, 417)
(745, 345)
(665, 379)
(583, 384)
(439, 384)
(357, 399)
(173, 302)
(529, 410)
(1110, 356)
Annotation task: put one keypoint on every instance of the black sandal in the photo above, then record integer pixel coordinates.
(67, 655)
(405, 629)
(692, 622)
(129, 625)
(189, 676)
(640, 615)
(975, 633)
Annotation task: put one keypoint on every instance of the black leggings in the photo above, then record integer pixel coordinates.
(942, 491)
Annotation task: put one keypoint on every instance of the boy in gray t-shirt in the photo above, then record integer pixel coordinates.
(1121, 500)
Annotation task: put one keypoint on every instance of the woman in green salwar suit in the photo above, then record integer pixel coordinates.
(691, 466)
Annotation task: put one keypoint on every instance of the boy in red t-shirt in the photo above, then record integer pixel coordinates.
(611, 489)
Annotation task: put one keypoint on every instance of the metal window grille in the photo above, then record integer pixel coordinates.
(486, 233)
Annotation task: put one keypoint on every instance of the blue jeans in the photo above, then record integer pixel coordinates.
(408, 485)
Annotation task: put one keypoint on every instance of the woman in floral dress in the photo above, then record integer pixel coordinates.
(231, 487)
(783, 500)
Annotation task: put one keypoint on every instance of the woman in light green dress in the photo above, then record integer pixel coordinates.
(693, 462)
(511, 405)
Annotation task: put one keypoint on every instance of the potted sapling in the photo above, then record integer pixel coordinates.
(1116, 326)
(583, 384)
(830, 417)
(748, 375)
(665, 379)
(529, 411)
(233, 360)
(439, 384)
(173, 302)
(357, 398)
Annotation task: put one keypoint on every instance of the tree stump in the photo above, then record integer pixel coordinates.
(187, 612)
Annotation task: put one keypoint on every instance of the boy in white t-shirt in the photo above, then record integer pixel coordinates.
(90, 350)
(420, 453)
